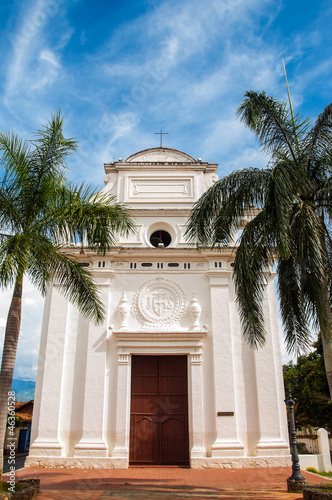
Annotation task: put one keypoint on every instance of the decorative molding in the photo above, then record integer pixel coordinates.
(195, 311)
(159, 343)
(169, 188)
(119, 265)
(196, 359)
(211, 179)
(123, 359)
(123, 310)
(218, 278)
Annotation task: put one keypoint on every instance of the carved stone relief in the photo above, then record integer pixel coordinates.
(195, 312)
(123, 312)
(160, 304)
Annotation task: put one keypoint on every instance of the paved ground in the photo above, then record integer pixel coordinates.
(161, 482)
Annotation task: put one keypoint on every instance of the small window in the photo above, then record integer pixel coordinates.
(160, 239)
(173, 264)
(146, 264)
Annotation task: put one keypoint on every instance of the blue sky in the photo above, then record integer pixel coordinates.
(121, 71)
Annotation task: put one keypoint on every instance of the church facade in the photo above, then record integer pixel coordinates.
(167, 379)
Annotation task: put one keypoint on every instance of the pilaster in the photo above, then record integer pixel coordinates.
(226, 443)
(121, 450)
(195, 394)
(92, 442)
(271, 407)
(50, 370)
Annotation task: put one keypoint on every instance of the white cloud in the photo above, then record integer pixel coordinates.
(65, 39)
(24, 43)
(49, 56)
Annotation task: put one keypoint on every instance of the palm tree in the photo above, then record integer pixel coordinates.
(40, 213)
(290, 208)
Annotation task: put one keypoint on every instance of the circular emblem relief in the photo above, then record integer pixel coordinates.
(160, 302)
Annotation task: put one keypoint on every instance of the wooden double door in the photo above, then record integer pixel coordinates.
(159, 411)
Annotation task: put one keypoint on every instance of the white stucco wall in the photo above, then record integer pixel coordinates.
(82, 405)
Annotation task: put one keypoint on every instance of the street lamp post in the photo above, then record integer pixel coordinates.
(296, 481)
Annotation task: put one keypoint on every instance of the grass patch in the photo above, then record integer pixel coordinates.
(4, 487)
(326, 474)
(315, 471)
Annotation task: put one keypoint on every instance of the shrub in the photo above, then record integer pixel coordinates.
(312, 469)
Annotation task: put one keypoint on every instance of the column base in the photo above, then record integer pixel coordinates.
(197, 452)
(296, 485)
(121, 453)
(89, 449)
(227, 449)
(46, 449)
(273, 447)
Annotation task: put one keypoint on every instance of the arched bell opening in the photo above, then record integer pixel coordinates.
(160, 238)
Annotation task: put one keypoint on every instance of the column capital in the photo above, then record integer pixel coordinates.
(218, 278)
(123, 359)
(196, 359)
(102, 277)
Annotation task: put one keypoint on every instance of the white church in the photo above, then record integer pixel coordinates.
(167, 379)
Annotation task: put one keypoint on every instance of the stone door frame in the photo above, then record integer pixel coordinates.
(159, 343)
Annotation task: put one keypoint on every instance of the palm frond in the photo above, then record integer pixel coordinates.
(77, 285)
(14, 154)
(328, 246)
(252, 265)
(215, 216)
(318, 145)
(51, 147)
(47, 264)
(322, 198)
(309, 252)
(10, 214)
(78, 214)
(13, 256)
(48, 159)
(293, 315)
(284, 182)
(272, 123)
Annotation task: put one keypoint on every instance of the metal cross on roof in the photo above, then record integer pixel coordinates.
(161, 133)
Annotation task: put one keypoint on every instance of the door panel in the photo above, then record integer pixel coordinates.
(173, 436)
(159, 411)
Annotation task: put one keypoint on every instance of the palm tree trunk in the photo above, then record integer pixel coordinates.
(327, 350)
(8, 358)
